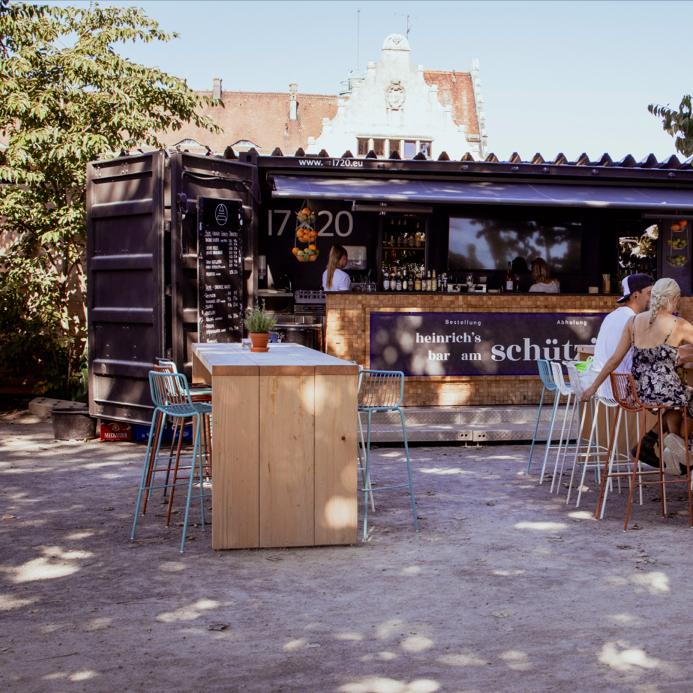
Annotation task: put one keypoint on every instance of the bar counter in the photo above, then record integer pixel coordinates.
(349, 326)
(284, 455)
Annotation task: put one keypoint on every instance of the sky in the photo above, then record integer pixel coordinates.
(567, 77)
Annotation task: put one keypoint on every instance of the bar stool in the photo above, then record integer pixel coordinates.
(197, 394)
(604, 406)
(583, 447)
(378, 392)
(554, 371)
(171, 397)
(547, 385)
(626, 395)
(564, 389)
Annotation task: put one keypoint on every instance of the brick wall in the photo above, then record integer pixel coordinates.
(348, 336)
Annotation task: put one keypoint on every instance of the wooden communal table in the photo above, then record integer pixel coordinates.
(284, 452)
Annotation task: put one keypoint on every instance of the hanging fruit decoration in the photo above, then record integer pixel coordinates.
(305, 248)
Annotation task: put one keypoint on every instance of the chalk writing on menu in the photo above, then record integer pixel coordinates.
(220, 271)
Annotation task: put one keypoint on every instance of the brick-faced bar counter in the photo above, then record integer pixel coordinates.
(348, 337)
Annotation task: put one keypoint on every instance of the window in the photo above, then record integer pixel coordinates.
(379, 147)
(362, 146)
(425, 148)
(396, 146)
(409, 149)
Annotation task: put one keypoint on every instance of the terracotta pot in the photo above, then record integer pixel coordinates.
(259, 341)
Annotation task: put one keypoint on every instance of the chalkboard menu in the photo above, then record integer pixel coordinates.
(220, 270)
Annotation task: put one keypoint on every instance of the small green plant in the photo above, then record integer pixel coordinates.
(259, 320)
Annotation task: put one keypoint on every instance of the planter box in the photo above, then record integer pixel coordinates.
(71, 421)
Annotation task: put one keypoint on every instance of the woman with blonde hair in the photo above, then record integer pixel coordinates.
(334, 278)
(541, 278)
(655, 336)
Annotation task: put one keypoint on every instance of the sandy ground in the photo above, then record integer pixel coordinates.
(505, 588)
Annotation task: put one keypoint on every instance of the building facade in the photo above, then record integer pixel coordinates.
(395, 106)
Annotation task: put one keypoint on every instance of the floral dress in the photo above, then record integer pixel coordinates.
(657, 382)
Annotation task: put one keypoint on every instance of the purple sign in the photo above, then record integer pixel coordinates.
(477, 343)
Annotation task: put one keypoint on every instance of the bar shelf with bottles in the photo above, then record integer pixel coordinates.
(404, 264)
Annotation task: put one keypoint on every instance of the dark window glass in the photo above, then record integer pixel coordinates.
(379, 147)
(490, 244)
(362, 146)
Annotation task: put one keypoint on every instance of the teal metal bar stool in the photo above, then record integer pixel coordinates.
(548, 385)
(379, 392)
(171, 397)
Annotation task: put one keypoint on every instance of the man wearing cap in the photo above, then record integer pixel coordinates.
(636, 299)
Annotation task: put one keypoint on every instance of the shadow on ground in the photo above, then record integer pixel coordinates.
(505, 588)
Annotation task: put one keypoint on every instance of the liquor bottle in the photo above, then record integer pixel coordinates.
(428, 280)
(386, 281)
(398, 282)
(509, 280)
(417, 281)
(434, 280)
(405, 282)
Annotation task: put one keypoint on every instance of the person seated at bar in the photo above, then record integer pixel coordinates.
(635, 299)
(541, 276)
(522, 274)
(334, 278)
(655, 336)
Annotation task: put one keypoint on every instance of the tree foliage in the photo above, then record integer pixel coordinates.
(66, 98)
(679, 124)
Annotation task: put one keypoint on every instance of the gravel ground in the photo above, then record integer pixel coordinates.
(504, 588)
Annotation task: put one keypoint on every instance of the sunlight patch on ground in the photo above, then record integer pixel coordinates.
(9, 602)
(582, 515)
(624, 619)
(76, 536)
(172, 567)
(624, 657)
(508, 573)
(295, 645)
(416, 643)
(76, 677)
(55, 563)
(445, 471)
(98, 623)
(349, 636)
(655, 582)
(462, 660)
(380, 684)
(516, 660)
(412, 570)
(188, 613)
(541, 526)
(389, 629)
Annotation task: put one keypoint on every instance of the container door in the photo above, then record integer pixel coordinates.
(125, 283)
(194, 178)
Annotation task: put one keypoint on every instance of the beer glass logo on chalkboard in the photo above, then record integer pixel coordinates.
(221, 214)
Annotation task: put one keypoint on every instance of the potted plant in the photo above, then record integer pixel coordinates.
(259, 322)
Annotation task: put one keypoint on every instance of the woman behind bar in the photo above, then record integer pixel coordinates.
(541, 276)
(334, 278)
(656, 335)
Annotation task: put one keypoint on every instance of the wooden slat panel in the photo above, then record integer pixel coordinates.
(235, 491)
(336, 514)
(287, 460)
